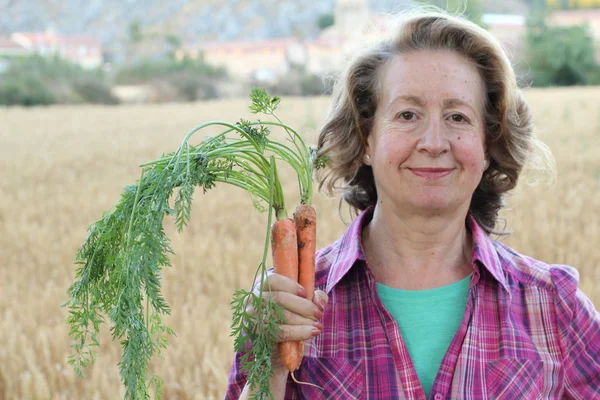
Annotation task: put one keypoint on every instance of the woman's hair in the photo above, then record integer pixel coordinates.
(508, 127)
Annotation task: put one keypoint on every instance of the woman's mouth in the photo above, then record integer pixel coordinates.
(431, 173)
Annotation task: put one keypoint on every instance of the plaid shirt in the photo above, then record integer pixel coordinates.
(528, 332)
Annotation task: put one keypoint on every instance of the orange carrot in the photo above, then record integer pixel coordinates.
(286, 258)
(305, 218)
(284, 247)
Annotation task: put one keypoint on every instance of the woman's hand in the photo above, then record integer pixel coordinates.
(301, 316)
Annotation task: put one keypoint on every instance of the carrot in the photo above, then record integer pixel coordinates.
(305, 218)
(284, 247)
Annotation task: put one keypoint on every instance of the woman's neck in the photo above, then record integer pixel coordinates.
(416, 252)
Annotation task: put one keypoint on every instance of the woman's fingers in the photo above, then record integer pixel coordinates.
(320, 299)
(301, 316)
(291, 318)
(280, 283)
(297, 305)
(297, 310)
(292, 333)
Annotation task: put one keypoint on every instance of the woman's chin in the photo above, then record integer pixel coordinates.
(434, 207)
(432, 204)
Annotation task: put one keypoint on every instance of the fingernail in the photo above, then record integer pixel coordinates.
(318, 325)
(318, 314)
(322, 304)
(315, 332)
(302, 292)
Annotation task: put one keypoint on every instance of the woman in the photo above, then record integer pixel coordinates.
(427, 132)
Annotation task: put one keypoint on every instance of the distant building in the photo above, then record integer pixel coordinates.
(10, 48)
(353, 30)
(245, 58)
(270, 59)
(79, 49)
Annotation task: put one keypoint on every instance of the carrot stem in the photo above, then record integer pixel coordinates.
(269, 222)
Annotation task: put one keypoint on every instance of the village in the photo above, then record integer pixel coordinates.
(269, 62)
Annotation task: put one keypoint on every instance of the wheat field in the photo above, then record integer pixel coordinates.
(63, 166)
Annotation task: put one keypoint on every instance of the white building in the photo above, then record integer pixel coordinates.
(79, 49)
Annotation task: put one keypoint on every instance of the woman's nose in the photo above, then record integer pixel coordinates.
(433, 139)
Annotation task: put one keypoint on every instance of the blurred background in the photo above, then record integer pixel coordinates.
(91, 89)
(114, 52)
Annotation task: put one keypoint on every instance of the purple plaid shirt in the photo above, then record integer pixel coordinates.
(528, 332)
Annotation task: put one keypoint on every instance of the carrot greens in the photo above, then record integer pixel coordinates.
(121, 259)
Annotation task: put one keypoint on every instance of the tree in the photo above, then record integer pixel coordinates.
(325, 21)
(538, 7)
(135, 31)
(172, 43)
(560, 55)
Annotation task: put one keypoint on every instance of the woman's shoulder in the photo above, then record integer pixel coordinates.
(520, 269)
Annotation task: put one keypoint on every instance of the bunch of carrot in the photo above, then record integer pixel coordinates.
(125, 251)
(293, 244)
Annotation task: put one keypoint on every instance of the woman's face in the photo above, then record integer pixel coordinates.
(427, 144)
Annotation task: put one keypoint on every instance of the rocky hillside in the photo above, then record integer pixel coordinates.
(204, 19)
(189, 20)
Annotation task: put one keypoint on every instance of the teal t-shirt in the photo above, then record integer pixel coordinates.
(428, 321)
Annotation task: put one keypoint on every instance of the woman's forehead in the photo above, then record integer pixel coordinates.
(431, 76)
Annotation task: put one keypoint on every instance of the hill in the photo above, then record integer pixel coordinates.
(112, 21)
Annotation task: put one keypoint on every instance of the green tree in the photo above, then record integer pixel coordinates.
(173, 43)
(38, 80)
(135, 31)
(537, 7)
(325, 21)
(561, 55)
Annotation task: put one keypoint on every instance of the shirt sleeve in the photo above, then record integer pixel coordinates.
(237, 379)
(579, 327)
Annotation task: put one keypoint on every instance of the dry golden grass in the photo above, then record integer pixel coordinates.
(63, 166)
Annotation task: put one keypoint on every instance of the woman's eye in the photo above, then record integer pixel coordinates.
(407, 116)
(457, 118)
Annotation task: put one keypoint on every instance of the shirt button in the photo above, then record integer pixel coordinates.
(438, 396)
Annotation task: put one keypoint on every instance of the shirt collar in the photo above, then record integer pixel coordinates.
(350, 250)
(485, 252)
